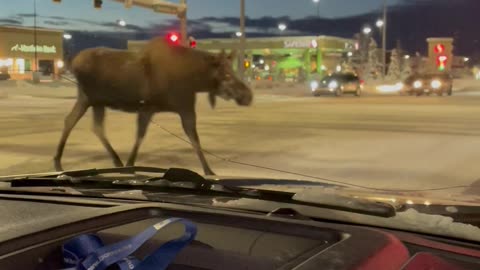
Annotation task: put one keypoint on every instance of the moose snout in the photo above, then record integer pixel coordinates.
(246, 97)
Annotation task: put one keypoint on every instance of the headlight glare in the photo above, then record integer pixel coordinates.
(417, 84)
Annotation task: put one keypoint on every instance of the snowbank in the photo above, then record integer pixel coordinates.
(410, 220)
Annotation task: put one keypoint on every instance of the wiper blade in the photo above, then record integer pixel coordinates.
(89, 172)
(184, 181)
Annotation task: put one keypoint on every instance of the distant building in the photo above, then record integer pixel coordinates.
(17, 51)
(282, 58)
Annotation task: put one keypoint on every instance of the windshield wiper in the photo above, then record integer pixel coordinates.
(183, 181)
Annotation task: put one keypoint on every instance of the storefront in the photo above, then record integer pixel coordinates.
(17, 51)
(282, 58)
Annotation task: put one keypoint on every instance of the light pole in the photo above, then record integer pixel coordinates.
(242, 36)
(317, 2)
(367, 30)
(36, 76)
(122, 22)
(67, 37)
(384, 40)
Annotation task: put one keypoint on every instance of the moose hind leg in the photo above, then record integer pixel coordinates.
(190, 127)
(71, 120)
(143, 121)
(99, 130)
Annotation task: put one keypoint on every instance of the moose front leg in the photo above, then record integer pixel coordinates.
(143, 121)
(189, 123)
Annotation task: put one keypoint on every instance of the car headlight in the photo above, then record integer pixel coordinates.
(314, 85)
(436, 84)
(333, 85)
(399, 86)
(417, 84)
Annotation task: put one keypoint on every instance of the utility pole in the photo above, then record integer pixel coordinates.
(35, 32)
(384, 40)
(243, 38)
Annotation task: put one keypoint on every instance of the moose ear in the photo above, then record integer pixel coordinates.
(212, 99)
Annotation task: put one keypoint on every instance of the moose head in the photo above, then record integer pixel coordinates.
(229, 86)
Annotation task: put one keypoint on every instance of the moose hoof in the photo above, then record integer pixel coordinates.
(118, 163)
(130, 164)
(209, 172)
(57, 165)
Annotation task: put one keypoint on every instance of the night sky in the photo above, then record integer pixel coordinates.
(82, 9)
(411, 21)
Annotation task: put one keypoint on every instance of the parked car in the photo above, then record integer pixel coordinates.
(337, 84)
(4, 74)
(427, 84)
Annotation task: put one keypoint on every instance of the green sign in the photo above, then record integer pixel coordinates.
(31, 48)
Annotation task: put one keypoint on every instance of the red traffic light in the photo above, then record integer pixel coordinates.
(173, 38)
(193, 42)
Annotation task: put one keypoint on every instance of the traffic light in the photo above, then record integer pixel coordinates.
(193, 42)
(246, 64)
(442, 62)
(97, 4)
(173, 38)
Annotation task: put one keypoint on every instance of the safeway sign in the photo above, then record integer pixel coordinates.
(300, 43)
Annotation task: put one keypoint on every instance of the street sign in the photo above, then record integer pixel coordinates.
(168, 8)
(128, 3)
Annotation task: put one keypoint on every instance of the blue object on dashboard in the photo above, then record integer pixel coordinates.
(87, 252)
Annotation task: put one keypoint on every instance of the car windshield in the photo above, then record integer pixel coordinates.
(232, 88)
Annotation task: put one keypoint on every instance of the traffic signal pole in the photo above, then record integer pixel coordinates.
(183, 24)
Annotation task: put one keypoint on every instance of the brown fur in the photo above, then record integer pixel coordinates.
(160, 78)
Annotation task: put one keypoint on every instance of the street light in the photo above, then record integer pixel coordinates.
(282, 27)
(380, 23)
(67, 36)
(367, 30)
(238, 34)
(407, 56)
(317, 2)
(122, 23)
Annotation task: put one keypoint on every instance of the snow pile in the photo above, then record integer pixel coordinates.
(442, 225)
(410, 220)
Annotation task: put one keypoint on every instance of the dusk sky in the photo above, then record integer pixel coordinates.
(410, 21)
(82, 9)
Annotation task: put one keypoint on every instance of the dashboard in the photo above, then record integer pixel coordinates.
(34, 227)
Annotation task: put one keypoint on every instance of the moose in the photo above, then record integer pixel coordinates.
(160, 77)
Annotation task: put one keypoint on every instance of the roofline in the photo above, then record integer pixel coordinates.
(32, 29)
(260, 39)
(280, 38)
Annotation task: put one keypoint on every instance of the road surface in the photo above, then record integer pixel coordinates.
(376, 141)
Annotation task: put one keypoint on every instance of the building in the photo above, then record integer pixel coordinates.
(17, 51)
(282, 58)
